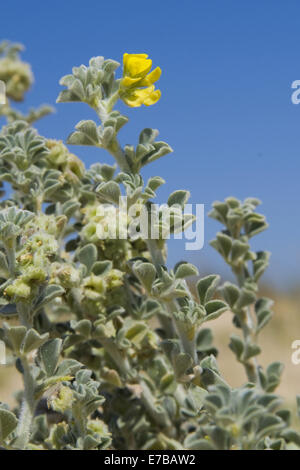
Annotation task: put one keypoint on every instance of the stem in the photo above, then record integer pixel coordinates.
(101, 111)
(159, 261)
(29, 403)
(114, 148)
(189, 345)
(80, 419)
(156, 254)
(120, 361)
(160, 417)
(146, 398)
(38, 203)
(76, 294)
(117, 152)
(28, 408)
(10, 247)
(167, 325)
(112, 101)
(251, 366)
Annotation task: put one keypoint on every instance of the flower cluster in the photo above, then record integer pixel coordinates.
(16, 74)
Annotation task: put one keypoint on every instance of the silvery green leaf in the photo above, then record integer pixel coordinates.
(199, 444)
(88, 256)
(108, 134)
(232, 202)
(253, 201)
(273, 373)
(291, 436)
(155, 182)
(107, 171)
(15, 335)
(77, 90)
(251, 350)
(231, 293)
(67, 96)
(268, 425)
(47, 295)
(237, 346)
(224, 244)
(70, 207)
(91, 83)
(219, 212)
(146, 273)
(252, 412)
(197, 395)
(182, 362)
(148, 136)
(270, 401)
(184, 270)
(109, 191)
(220, 438)
(120, 120)
(83, 327)
(148, 194)
(109, 66)
(101, 268)
(89, 443)
(68, 367)
(67, 80)
(159, 150)
(51, 187)
(206, 287)
(12, 220)
(134, 196)
(239, 249)
(49, 355)
(188, 220)
(213, 402)
(141, 151)
(21, 144)
(33, 340)
(170, 405)
(215, 308)
(257, 227)
(204, 340)
(179, 197)
(260, 264)
(210, 362)
(170, 347)
(4, 271)
(263, 318)
(167, 383)
(247, 297)
(8, 422)
(149, 308)
(129, 154)
(5, 176)
(86, 134)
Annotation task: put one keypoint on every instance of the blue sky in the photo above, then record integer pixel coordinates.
(226, 99)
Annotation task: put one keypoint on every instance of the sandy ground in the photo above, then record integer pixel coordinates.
(276, 343)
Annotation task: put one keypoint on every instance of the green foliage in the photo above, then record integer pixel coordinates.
(101, 331)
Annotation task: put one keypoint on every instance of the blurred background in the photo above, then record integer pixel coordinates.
(226, 110)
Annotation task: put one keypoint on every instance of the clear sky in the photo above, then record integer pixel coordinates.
(226, 103)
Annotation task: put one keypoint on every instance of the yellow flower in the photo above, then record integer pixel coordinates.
(137, 85)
